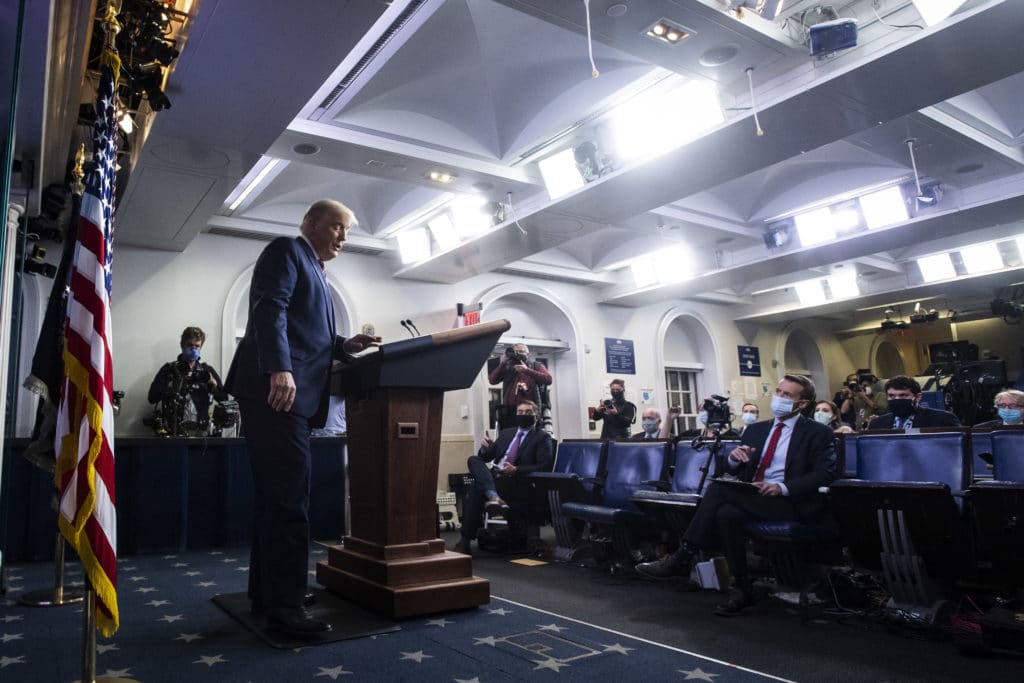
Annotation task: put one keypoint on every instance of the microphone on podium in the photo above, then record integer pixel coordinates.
(407, 328)
(410, 324)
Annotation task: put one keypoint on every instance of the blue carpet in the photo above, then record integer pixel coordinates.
(171, 631)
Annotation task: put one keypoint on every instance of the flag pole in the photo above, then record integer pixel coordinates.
(58, 596)
(89, 644)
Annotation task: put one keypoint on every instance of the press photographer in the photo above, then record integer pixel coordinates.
(521, 380)
(182, 391)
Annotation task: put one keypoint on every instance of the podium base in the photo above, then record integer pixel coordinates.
(404, 586)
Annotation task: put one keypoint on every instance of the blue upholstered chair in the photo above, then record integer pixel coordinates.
(901, 516)
(630, 466)
(1007, 454)
(578, 465)
(672, 504)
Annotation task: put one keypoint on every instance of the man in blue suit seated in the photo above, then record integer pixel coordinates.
(904, 410)
(779, 465)
(281, 377)
(500, 468)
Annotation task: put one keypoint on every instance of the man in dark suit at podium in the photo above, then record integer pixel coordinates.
(781, 464)
(500, 468)
(281, 377)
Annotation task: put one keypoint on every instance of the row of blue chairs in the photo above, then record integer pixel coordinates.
(910, 508)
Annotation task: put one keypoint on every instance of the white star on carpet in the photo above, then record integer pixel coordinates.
(128, 568)
(553, 627)
(4, 661)
(333, 673)
(489, 640)
(501, 611)
(189, 637)
(145, 589)
(11, 617)
(210, 661)
(417, 656)
(549, 663)
(229, 559)
(8, 637)
(206, 584)
(215, 552)
(193, 573)
(180, 564)
(169, 557)
(467, 680)
(621, 649)
(171, 618)
(103, 648)
(158, 603)
(136, 578)
(117, 673)
(697, 675)
(442, 622)
(312, 572)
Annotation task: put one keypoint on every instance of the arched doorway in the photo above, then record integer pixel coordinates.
(688, 358)
(801, 356)
(888, 361)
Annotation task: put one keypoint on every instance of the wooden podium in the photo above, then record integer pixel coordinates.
(393, 562)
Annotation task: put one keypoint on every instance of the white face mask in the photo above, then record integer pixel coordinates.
(781, 406)
(823, 417)
(748, 418)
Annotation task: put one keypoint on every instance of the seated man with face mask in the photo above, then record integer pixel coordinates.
(905, 410)
(650, 419)
(500, 470)
(781, 464)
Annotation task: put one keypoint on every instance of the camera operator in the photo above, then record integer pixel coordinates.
(183, 389)
(521, 380)
(860, 404)
(618, 413)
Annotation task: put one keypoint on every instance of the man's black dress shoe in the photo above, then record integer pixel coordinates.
(665, 568)
(295, 621)
(739, 600)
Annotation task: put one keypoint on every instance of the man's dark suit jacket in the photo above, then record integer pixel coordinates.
(536, 452)
(923, 417)
(810, 462)
(290, 328)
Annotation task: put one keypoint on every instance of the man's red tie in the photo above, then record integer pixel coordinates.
(769, 452)
(513, 451)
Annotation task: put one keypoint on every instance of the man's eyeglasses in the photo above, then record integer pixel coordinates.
(1008, 406)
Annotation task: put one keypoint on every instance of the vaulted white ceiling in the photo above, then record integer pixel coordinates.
(361, 100)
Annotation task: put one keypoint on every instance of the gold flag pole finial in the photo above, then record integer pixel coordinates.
(78, 173)
(111, 26)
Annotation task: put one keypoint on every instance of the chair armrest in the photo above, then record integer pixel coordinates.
(659, 484)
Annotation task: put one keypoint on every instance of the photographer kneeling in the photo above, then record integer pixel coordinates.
(183, 388)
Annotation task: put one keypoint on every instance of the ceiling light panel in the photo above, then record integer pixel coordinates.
(884, 207)
(814, 227)
(560, 173)
(667, 32)
(934, 11)
(662, 119)
(936, 267)
(643, 272)
(810, 293)
(443, 230)
(414, 245)
(843, 286)
(981, 258)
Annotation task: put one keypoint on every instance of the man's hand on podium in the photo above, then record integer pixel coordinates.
(360, 342)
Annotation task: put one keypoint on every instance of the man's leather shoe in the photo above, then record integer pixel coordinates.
(309, 599)
(664, 568)
(739, 600)
(495, 506)
(462, 547)
(295, 621)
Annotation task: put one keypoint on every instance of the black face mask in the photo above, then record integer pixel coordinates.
(525, 421)
(901, 407)
(617, 395)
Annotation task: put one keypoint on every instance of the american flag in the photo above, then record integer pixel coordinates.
(85, 419)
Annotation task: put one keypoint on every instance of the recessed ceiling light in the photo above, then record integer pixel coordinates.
(668, 32)
(936, 267)
(441, 177)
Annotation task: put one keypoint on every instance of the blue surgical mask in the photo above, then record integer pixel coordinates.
(702, 417)
(650, 426)
(781, 406)
(1010, 415)
(823, 417)
(748, 418)
(191, 354)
